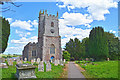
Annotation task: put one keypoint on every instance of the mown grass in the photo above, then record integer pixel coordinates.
(54, 73)
(104, 69)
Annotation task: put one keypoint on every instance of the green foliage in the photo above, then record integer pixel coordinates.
(66, 55)
(98, 45)
(105, 69)
(74, 48)
(113, 45)
(4, 33)
(85, 43)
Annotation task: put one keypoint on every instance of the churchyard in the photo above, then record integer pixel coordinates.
(99, 69)
(42, 69)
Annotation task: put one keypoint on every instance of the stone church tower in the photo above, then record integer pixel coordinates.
(49, 40)
(48, 46)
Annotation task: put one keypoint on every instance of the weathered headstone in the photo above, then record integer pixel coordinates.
(32, 61)
(64, 60)
(108, 59)
(48, 66)
(25, 59)
(38, 60)
(3, 59)
(19, 61)
(41, 66)
(24, 71)
(10, 62)
(61, 62)
(87, 59)
(3, 65)
(56, 62)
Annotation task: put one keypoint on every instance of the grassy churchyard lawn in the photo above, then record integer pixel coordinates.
(103, 69)
(54, 73)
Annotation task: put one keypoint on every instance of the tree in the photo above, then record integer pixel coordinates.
(113, 44)
(74, 47)
(98, 45)
(85, 43)
(4, 34)
(66, 55)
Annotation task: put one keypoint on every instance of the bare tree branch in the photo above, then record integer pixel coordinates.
(8, 8)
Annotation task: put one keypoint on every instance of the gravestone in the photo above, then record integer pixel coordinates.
(51, 61)
(32, 61)
(87, 59)
(3, 65)
(38, 60)
(10, 62)
(41, 66)
(48, 66)
(64, 60)
(25, 59)
(3, 59)
(56, 62)
(19, 61)
(108, 59)
(24, 71)
(61, 62)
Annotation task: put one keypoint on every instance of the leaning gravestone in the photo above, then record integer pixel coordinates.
(41, 66)
(38, 60)
(10, 62)
(48, 66)
(24, 71)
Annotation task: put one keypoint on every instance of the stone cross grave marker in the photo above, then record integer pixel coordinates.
(38, 60)
(41, 66)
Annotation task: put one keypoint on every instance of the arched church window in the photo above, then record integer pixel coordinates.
(52, 24)
(52, 49)
(34, 53)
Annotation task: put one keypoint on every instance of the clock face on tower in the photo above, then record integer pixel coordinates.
(52, 31)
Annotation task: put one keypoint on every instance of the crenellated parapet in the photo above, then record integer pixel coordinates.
(44, 13)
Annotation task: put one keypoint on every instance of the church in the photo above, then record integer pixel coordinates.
(48, 46)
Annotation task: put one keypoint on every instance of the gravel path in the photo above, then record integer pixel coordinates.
(74, 72)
